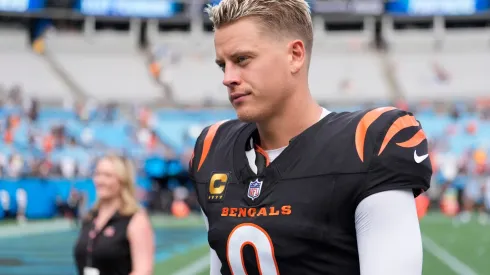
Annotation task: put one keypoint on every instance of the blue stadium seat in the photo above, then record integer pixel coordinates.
(87, 187)
(41, 198)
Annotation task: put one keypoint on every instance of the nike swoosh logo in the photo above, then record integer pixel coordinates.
(417, 158)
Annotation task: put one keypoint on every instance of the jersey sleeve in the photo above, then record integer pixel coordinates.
(400, 159)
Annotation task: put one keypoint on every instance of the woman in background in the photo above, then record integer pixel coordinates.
(117, 236)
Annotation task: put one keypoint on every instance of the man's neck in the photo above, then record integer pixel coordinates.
(295, 118)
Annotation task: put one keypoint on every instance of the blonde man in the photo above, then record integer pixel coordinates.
(291, 188)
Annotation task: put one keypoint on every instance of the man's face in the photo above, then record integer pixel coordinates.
(255, 66)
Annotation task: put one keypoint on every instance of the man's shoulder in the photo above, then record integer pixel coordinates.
(398, 154)
(386, 144)
(215, 144)
(349, 142)
(368, 119)
(370, 130)
(222, 131)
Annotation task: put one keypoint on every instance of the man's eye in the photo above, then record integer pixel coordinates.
(241, 59)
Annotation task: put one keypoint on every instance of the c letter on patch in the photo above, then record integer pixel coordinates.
(217, 187)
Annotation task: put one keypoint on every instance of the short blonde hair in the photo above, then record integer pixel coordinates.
(126, 174)
(283, 16)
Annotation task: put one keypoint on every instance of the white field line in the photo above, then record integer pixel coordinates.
(452, 262)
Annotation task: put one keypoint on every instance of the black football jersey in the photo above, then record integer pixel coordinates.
(296, 216)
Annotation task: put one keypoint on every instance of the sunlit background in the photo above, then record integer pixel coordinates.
(80, 78)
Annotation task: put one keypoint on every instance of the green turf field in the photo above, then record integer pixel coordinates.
(182, 248)
(448, 249)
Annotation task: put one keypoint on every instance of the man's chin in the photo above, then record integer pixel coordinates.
(245, 115)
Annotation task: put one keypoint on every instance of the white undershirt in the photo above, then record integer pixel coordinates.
(387, 227)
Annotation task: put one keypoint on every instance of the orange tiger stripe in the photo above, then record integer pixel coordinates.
(413, 141)
(208, 140)
(363, 126)
(263, 153)
(399, 124)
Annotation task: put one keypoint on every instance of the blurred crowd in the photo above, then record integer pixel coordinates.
(38, 153)
(460, 156)
(33, 144)
(65, 143)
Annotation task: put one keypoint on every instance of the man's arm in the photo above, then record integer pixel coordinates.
(215, 263)
(399, 169)
(388, 234)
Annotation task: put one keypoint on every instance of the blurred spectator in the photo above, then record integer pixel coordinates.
(82, 111)
(15, 96)
(455, 113)
(33, 110)
(440, 73)
(15, 166)
(72, 207)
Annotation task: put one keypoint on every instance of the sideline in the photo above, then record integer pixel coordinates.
(196, 267)
(444, 256)
(166, 254)
(35, 228)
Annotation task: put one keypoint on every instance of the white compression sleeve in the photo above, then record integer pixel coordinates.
(215, 263)
(388, 234)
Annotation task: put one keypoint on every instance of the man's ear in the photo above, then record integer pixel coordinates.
(297, 55)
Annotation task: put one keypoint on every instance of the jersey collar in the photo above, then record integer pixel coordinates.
(249, 137)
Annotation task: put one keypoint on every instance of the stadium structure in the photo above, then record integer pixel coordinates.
(80, 78)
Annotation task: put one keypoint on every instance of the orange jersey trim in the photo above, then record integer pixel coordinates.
(208, 140)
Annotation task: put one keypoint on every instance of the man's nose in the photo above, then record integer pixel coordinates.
(231, 77)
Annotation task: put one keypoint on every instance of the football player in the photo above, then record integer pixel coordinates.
(291, 188)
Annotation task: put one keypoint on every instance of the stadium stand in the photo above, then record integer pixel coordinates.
(456, 69)
(354, 77)
(52, 133)
(125, 73)
(20, 66)
(460, 76)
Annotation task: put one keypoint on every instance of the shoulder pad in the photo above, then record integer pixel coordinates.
(399, 153)
(210, 138)
(386, 125)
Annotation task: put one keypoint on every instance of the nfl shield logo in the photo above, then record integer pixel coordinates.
(254, 189)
